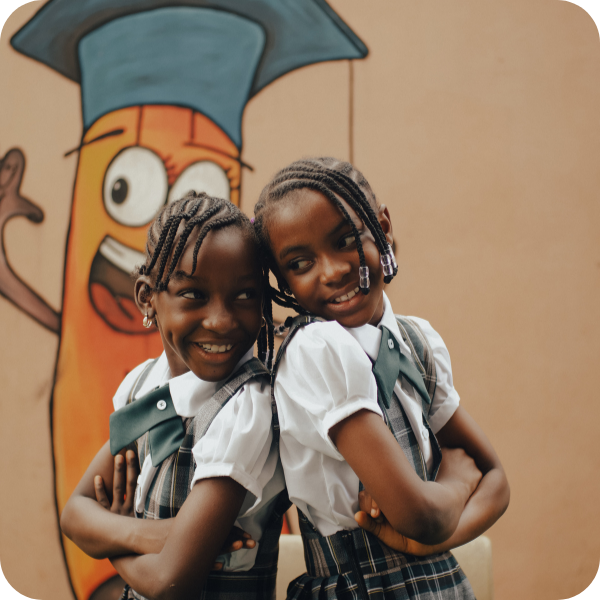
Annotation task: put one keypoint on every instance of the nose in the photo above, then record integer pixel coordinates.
(333, 270)
(218, 317)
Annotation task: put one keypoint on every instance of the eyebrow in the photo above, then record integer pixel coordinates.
(96, 139)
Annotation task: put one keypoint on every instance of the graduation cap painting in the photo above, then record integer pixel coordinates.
(164, 85)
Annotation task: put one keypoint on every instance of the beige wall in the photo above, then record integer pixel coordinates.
(477, 124)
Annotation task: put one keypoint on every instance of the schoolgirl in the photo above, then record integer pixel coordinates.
(364, 399)
(199, 417)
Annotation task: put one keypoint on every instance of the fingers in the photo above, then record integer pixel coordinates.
(132, 475)
(119, 484)
(217, 566)
(367, 523)
(101, 496)
(367, 504)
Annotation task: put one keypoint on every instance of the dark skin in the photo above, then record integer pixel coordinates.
(319, 262)
(217, 307)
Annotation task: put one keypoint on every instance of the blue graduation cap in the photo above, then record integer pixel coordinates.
(208, 55)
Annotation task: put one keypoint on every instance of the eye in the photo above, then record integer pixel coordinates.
(297, 265)
(135, 186)
(203, 176)
(193, 295)
(346, 241)
(246, 295)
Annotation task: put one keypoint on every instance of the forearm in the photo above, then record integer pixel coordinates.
(440, 508)
(102, 534)
(487, 504)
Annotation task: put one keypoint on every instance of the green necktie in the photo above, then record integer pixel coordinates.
(388, 366)
(154, 412)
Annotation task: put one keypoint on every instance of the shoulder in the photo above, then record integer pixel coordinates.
(434, 339)
(122, 394)
(325, 340)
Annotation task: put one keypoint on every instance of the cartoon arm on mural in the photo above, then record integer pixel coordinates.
(13, 204)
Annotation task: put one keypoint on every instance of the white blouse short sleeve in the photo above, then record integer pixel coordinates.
(238, 444)
(324, 377)
(445, 399)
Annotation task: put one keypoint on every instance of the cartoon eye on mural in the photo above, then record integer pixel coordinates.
(164, 85)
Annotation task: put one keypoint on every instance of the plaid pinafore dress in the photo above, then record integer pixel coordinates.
(171, 486)
(355, 565)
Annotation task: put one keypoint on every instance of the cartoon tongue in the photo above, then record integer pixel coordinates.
(111, 286)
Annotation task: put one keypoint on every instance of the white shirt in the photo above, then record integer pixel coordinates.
(324, 377)
(238, 444)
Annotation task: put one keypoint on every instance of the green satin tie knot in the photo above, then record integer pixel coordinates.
(153, 413)
(390, 364)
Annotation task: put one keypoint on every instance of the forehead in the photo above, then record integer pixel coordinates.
(226, 253)
(306, 209)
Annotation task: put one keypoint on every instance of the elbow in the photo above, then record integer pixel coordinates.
(66, 521)
(167, 587)
(429, 524)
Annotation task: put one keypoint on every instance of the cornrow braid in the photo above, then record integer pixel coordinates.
(167, 240)
(334, 179)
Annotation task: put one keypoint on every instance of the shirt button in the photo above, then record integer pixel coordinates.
(391, 344)
(161, 405)
(425, 434)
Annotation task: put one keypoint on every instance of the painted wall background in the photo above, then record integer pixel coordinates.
(478, 125)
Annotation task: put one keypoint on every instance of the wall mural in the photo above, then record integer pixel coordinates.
(163, 85)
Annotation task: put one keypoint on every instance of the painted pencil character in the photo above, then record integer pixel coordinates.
(164, 85)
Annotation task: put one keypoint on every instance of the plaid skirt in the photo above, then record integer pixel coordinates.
(355, 565)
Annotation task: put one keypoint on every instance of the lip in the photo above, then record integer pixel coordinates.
(216, 358)
(344, 292)
(347, 306)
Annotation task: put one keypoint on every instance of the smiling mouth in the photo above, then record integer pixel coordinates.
(111, 286)
(347, 296)
(214, 348)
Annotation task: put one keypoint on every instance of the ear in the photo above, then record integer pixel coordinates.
(144, 296)
(383, 216)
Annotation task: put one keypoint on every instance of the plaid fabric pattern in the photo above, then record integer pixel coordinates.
(171, 486)
(421, 354)
(355, 565)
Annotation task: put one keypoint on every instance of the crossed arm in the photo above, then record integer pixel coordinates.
(484, 507)
(430, 511)
(168, 558)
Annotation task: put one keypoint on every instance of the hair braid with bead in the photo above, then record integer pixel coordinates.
(332, 178)
(170, 233)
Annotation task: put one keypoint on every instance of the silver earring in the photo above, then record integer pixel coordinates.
(147, 323)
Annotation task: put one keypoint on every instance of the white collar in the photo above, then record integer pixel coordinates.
(188, 392)
(369, 336)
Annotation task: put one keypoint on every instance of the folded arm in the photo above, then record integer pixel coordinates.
(102, 533)
(485, 506)
(199, 530)
(429, 511)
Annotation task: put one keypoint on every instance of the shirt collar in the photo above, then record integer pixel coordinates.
(369, 336)
(188, 392)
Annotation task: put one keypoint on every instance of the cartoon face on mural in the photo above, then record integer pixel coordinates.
(164, 85)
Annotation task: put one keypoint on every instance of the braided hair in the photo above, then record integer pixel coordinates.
(170, 231)
(331, 178)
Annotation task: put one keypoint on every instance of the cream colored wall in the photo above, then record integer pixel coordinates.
(477, 123)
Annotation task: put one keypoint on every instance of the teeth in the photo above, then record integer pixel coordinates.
(347, 296)
(214, 349)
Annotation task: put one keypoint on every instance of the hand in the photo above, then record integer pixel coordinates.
(125, 476)
(381, 529)
(459, 466)
(236, 540)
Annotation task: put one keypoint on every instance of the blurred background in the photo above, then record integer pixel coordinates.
(476, 123)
